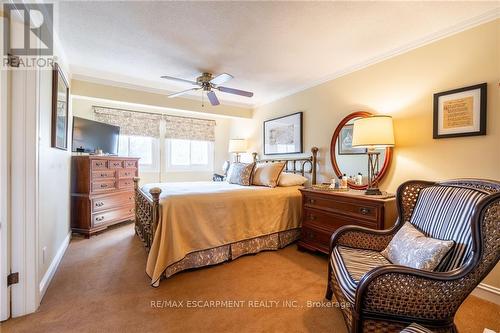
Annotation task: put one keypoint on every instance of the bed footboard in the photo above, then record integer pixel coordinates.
(147, 213)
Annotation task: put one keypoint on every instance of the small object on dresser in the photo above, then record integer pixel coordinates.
(359, 179)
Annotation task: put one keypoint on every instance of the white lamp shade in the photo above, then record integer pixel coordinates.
(237, 145)
(373, 132)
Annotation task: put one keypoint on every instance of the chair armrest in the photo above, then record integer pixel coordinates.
(412, 293)
(362, 238)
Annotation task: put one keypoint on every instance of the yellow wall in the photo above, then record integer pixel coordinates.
(403, 87)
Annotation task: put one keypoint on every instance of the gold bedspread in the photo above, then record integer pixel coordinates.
(202, 215)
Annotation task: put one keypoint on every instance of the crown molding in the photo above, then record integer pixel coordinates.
(488, 16)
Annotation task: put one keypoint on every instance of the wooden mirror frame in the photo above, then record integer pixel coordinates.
(333, 151)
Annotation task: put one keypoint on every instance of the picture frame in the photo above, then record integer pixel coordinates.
(283, 135)
(460, 112)
(60, 105)
(344, 142)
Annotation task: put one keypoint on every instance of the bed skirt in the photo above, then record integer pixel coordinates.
(232, 251)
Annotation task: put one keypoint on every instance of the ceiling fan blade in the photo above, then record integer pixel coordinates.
(221, 78)
(235, 91)
(178, 79)
(182, 92)
(213, 98)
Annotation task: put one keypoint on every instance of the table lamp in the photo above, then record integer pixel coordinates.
(373, 133)
(237, 146)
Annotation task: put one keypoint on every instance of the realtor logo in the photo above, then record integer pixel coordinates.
(29, 31)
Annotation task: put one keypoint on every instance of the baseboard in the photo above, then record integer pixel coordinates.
(488, 293)
(44, 283)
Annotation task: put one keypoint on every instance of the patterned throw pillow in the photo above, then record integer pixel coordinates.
(240, 173)
(267, 174)
(409, 247)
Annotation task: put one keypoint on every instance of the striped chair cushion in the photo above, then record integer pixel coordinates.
(445, 212)
(349, 265)
(416, 328)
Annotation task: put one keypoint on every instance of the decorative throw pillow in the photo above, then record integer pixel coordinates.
(240, 173)
(409, 247)
(291, 179)
(267, 174)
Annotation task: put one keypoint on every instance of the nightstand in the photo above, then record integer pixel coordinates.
(323, 212)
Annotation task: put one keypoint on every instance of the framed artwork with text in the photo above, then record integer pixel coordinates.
(460, 112)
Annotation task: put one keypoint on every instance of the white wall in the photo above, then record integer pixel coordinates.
(54, 167)
(54, 182)
(82, 107)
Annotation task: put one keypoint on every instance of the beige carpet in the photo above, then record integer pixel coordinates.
(101, 286)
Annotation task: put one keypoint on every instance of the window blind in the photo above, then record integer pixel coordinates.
(130, 122)
(148, 124)
(189, 128)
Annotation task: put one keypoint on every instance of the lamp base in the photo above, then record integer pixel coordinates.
(373, 191)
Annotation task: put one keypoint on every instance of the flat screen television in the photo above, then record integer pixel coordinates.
(89, 135)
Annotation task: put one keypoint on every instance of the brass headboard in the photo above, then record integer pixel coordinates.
(302, 165)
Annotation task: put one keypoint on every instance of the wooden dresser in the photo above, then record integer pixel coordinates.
(323, 212)
(102, 192)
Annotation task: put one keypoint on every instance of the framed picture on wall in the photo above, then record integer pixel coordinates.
(344, 142)
(60, 101)
(283, 135)
(460, 112)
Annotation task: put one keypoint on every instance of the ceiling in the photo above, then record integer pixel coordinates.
(271, 48)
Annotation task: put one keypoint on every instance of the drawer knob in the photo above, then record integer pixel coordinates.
(103, 175)
(312, 201)
(365, 211)
(312, 217)
(310, 235)
(104, 185)
(130, 198)
(99, 218)
(99, 203)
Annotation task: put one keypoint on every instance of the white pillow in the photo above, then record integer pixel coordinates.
(291, 179)
(409, 247)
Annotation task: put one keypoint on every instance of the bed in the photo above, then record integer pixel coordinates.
(191, 225)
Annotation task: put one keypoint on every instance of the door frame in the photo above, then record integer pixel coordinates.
(4, 198)
(23, 175)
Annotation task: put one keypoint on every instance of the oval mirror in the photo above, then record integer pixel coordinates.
(353, 162)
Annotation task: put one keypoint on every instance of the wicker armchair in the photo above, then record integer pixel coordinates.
(387, 297)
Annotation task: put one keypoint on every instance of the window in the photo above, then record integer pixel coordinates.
(140, 146)
(183, 155)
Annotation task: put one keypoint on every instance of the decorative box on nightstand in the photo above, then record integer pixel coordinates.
(324, 211)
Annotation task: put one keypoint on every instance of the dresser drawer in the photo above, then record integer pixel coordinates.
(99, 164)
(114, 164)
(316, 238)
(103, 174)
(331, 221)
(130, 164)
(112, 201)
(113, 215)
(103, 186)
(125, 183)
(126, 173)
(337, 205)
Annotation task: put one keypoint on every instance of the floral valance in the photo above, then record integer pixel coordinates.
(189, 128)
(130, 122)
(148, 124)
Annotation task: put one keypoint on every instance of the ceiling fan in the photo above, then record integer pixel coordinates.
(209, 83)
